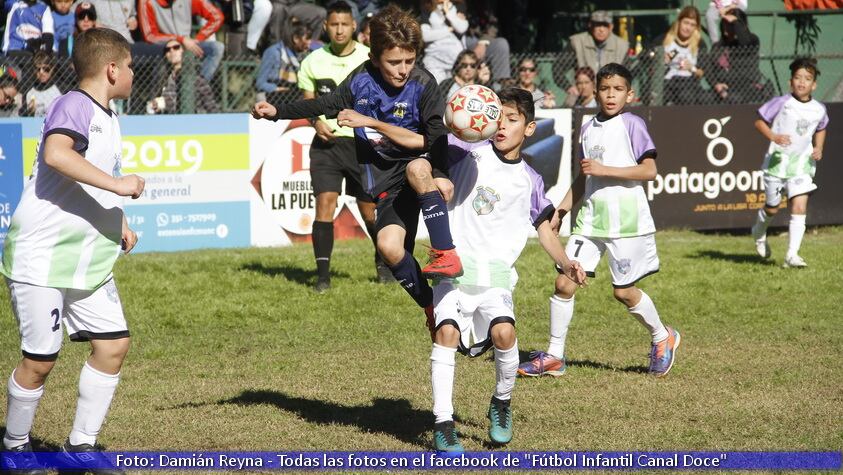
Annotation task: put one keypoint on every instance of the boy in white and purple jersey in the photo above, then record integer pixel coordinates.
(795, 125)
(614, 217)
(498, 200)
(63, 240)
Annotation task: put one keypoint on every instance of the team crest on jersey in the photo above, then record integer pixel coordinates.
(400, 109)
(624, 265)
(95, 128)
(507, 300)
(596, 153)
(484, 202)
(802, 126)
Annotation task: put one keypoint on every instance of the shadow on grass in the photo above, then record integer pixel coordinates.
(524, 356)
(394, 417)
(298, 275)
(746, 258)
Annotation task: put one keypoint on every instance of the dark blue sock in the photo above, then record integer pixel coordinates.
(435, 215)
(408, 274)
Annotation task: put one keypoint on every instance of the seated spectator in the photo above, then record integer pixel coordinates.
(598, 46)
(278, 14)
(732, 65)
(361, 9)
(118, 15)
(442, 28)
(466, 71)
(86, 17)
(584, 91)
(64, 22)
(165, 20)
(280, 65)
(363, 31)
(681, 51)
(44, 91)
(169, 102)
(9, 105)
(29, 27)
(491, 49)
(527, 73)
(715, 11)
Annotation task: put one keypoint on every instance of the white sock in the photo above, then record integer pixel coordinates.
(795, 233)
(96, 390)
(21, 404)
(761, 224)
(646, 313)
(442, 364)
(506, 365)
(561, 312)
(261, 13)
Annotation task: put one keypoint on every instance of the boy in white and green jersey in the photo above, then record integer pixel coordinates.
(64, 238)
(619, 156)
(795, 125)
(332, 155)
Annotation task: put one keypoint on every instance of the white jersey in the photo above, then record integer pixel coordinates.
(614, 208)
(496, 204)
(65, 234)
(788, 115)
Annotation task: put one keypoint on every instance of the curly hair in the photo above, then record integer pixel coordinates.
(393, 27)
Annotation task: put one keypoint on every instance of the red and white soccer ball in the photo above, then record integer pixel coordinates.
(473, 113)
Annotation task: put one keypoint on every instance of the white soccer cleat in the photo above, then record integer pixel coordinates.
(763, 248)
(794, 261)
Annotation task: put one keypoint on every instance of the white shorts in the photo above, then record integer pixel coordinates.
(794, 186)
(630, 259)
(85, 314)
(473, 310)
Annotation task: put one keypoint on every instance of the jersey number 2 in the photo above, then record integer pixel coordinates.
(55, 314)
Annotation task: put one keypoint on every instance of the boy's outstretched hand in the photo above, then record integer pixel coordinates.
(575, 272)
(129, 185)
(264, 110)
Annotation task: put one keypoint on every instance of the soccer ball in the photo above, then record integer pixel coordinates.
(473, 113)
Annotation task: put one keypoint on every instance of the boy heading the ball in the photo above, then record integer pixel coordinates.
(498, 200)
(395, 109)
(619, 156)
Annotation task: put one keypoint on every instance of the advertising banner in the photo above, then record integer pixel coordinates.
(11, 172)
(709, 162)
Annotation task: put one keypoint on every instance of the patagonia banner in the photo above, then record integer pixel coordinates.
(709, 167)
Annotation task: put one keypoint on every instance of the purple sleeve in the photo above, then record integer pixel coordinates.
(459, 149)
(824, 121)
(642, 145)
(70, 115)
(771, 108)
(540, 207)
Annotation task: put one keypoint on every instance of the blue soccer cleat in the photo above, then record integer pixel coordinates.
(445, 437)
(663, 353)
(500, 417)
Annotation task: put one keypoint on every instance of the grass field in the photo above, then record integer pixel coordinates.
(232, 350)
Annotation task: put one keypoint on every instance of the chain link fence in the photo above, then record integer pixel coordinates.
(722, 76)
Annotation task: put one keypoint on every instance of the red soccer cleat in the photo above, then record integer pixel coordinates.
(442, 265)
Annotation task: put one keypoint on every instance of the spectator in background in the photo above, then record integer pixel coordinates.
(29, 27)
(584, 91)
(466, 71)
(44, 91)
(64, 22)
(715, 11)
(363, 31)
(278, 14)
(442, 27)
(682, 45)
(86, 17)
(118, 15)
(170, 100)
(492, 50)
(8, 91)
(278, 73)
(165, 20)
(732, 65)
(361, 9)
(527, 74)
(598, 46)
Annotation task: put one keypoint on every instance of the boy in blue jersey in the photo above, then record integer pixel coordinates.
(615, 217)
(396, 111)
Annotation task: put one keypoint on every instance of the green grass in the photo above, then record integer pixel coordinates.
(232, 350)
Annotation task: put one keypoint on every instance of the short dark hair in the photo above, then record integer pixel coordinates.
(614, 69)
(337, 7)
(522, 99)
(393, 27)
(94, 48)
(808, 64)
